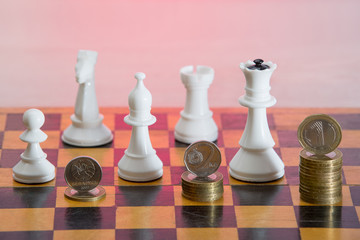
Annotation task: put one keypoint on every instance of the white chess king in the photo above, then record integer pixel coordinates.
(257, 161)
(33, 166)
(87, 129)
(140, 162)
(196, 122)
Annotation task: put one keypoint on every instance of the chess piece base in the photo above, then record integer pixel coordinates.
(39, 172)
(189, 130)
(256, 165)
(136, 168)
(87, 134)
(89, 196)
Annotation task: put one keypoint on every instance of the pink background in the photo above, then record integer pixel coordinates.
(316, 45)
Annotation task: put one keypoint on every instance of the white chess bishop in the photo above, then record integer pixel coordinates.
(87, 128)
(140, 162)
(33, 166)
(257, 161)
(196, 122)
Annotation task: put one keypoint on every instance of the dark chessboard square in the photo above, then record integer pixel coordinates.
(85, 218)
(144, 196)
(10, 157)
(292, 175)
(224, 171)
(1, 138)
(205, 216)
(271, 195)
(161, 122)
(52, 122)
(119, 122)
(27, 235)
(145, 234)
(348, 121)
(118, 154)
(25, 197)
(164, 155)
(327, 216)
(60, 179)
(238, 121)
(355, 195)
(14, 121)
(351, 156)
(233, 120)
(107, 176)
(230, 153)
(269, 233)
(288, 138)
(176, 174)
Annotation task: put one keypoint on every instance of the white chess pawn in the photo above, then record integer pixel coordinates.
(140, 162)
(87, 129)
(33, 166)
(257, 161)
(196, 122)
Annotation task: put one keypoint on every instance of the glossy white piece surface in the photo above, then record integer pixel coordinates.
(140, 162)
(257, 161)
(87, 129)
(33, 166)
(196, 122)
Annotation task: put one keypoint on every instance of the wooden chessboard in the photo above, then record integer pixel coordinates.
(157, 210)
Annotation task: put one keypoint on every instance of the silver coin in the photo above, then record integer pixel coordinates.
(202, 158)
(83, 173)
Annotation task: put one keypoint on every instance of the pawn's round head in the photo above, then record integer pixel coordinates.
(33, 119)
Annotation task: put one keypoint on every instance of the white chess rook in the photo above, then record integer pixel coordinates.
(87, 129)
(257, 161)
(140, 162)
(196, 122)
(33, 166)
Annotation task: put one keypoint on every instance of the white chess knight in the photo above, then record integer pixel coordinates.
(196, 122)
(87, 129)
(257, 161)
(140, 162)
(33, 166)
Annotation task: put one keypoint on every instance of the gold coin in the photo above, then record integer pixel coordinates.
(321, 185)
(320, 170)
(202, 158)
(83, 173)
(329, 159)
(319, 134)
(325, 191)
(320, 201)
(89, 196)
(202, 189)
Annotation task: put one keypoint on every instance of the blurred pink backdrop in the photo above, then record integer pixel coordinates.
(316, 45)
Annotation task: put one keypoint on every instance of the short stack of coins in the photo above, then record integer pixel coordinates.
(202, 182)
(320, 162)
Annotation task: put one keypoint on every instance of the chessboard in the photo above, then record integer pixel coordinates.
(157, 210)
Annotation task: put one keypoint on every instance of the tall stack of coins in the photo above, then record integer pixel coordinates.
(320, 162)
(202, 182)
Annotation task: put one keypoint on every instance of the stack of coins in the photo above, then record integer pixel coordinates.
(202, 182)
(320, 162)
